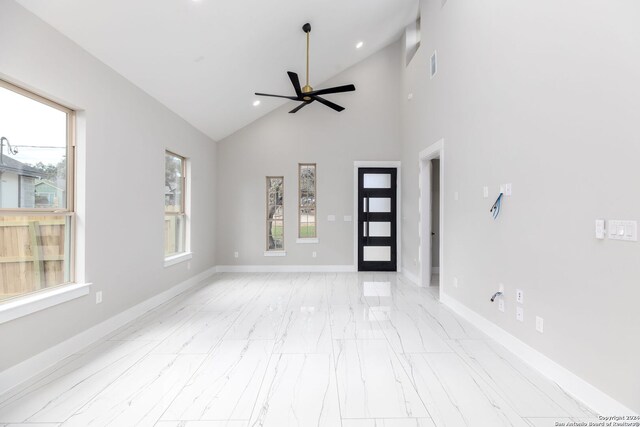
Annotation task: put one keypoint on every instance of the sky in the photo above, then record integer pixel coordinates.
(26, 123)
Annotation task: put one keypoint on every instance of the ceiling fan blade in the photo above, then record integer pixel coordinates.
(328, 103)
(277, 96)
(299, 107)
(337, 89)
(295, 81)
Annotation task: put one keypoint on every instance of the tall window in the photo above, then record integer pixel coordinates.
(307, 200)
(36, 192)
(275, 213)
(175, 212)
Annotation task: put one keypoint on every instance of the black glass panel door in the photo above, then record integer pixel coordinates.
(377, 244)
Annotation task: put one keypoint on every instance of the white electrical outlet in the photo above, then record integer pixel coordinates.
(501, 304)
(520, 314)
(507, 189)
(519, 296)
(455, 282)
(485, 192)
(99, 297)
(539, 324)
(236, 254)
(600, 230)
(314, 254)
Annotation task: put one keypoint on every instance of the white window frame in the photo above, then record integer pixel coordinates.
(278, 251)
(186, 254)
(313, 239)
(28, 303)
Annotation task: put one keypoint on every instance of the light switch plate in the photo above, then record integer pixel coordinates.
(99, 297)
(519, 296)
(622, 230)
(520, 314)
(485, 192)
(331, 218)
(539, 324)
(348, 218)
(236, 254)
(456, 196)
(507, 189)
(501, 304)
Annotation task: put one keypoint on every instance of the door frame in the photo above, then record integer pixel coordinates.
(434, 151)
(378, 164)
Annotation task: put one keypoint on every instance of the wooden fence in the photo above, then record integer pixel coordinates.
(31, 254)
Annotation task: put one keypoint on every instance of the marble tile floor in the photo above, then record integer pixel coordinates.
(294, 349)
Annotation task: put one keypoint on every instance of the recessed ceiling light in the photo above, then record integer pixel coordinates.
(359, 45)
(256, 103)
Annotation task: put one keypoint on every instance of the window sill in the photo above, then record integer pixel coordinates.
(275, 253)
(23, 306)
(177, 259)
(307, 240)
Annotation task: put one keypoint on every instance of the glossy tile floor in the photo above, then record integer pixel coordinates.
(312, 349)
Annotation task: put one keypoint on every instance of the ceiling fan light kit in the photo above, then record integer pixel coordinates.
(306, 94)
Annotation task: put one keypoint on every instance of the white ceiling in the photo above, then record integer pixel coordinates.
(204, 59)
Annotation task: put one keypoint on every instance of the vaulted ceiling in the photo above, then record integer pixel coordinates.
(204, 59)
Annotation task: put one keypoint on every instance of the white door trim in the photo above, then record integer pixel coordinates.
(434, 151)
(378, 164)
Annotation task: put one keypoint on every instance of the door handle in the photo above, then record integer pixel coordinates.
(367, 217)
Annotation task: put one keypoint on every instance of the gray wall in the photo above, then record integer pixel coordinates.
(544, 95)
(369, 129)
(123, 135)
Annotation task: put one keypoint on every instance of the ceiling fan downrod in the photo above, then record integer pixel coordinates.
(307, 88)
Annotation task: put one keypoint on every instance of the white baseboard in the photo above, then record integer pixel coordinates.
(571, 383)
(286, 269)
(411, 277)
(23, 371)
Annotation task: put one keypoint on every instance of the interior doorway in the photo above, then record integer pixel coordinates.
(435, 221)
(431, 216)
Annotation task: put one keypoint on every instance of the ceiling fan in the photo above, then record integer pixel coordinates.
(306, 94)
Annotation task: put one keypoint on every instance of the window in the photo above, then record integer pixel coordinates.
(307, 201)
(36, 193)
(275, 213)
(412, 40)
(175, 206)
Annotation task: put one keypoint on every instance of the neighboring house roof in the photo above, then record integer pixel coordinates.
(48, 183)
(7, 164)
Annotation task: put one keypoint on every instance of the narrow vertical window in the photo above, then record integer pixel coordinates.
(36, 193)
(175, 209)
(275, 213)
(307, 201)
